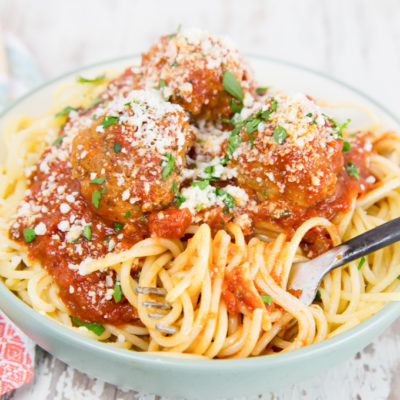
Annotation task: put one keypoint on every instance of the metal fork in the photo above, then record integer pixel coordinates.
(306, 276)
(158, 305)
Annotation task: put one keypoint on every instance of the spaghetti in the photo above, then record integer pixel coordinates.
(181, 188)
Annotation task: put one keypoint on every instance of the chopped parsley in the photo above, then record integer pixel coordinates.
(127, 214)
(201, 184)
(172, 35)
(98, 78)
(58, 140)
(94, 102)
(309, 115)
(118, 226)
(169, 166)
(95, 327)
(398, 277)
(274, 104)
(199, 207)
(143, 219)
(162, 83)
(178, 196)
(228, 199)
(65, 111)
(29, 234)
(209, 169)
(99, 181)
(235, 106)
(96, 197)
(317, 296)
(231, 85)
(117, 291)
(251, 141)
(346, 146)
(267, 299)
(338, 127)
(117, 148)
(352, 170)
(261, 90)
(361, 263)
(94, 117)
(279, 134)
(109, 120)
(252, 125)
(87, 232)
(174, 64)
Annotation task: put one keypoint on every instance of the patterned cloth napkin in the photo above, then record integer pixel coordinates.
(17, 75)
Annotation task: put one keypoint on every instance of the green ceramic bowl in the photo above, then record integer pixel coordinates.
(202, 379)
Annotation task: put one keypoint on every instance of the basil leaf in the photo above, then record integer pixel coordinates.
(95, 327)
(252, 125)
(231, 85)
(274, 104)
(346, 146)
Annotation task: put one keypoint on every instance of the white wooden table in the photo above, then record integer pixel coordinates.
(355, 41)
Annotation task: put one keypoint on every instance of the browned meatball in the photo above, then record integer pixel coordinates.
(293, 155)
(128, 159)
(188, 67)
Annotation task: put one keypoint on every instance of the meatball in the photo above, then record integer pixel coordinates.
(188, 67)
(288, 151)
(128, 159)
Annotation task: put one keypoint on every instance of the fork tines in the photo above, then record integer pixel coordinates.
(151, 290)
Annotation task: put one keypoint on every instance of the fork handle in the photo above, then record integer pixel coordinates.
(368, 242)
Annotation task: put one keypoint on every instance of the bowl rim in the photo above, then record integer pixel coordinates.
(8, 300)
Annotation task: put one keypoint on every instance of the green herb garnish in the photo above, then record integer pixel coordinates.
(317, 296)
(231, 85)
(279, 134)
(267, 299)
(346, 146)
(95, 327)
(58, 140)
(228, 199)
(87, 232)
(261, 90)
(99, 181)
(169, 166)
(109, 120)
(201, 184)
(352, 170)
(178, 196)
(29, 234)
(94, 102)
(127, 214)
(117, 148)
(235, 106)
(98, 78)
(118, 226)
(96, 197)
(361, 263)
(117, 291)
(274, 104)
(65, 111)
